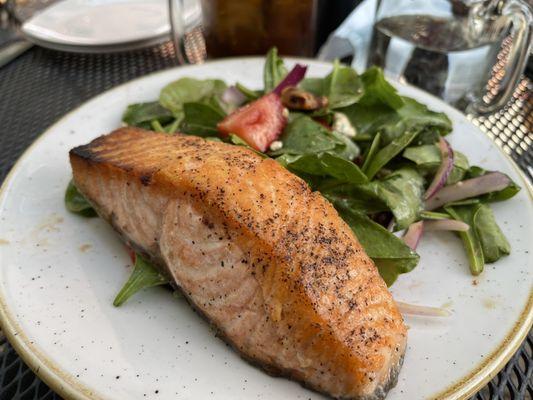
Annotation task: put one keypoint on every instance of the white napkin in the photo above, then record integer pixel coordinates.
(352, 37)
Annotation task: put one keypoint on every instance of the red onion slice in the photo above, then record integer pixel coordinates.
(413, 234)
(446, 165)
(446, 225)
(293, 78)
(422, 311)
(233, 96)
(491, 182)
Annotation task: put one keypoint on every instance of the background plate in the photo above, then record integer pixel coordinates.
(59, 274)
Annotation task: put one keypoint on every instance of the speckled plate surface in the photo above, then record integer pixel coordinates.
(59, 274)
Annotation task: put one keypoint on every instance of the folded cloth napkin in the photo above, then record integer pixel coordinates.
(352, 37)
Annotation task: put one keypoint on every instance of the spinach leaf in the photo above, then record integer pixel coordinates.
(465, 202)
(157, 127)
(352, 197)
(493, 241)
(402, 192)
(200, 119)
(348, 149)
(342, 86)
(399, 192)
(236, 140)
(141, 114)
(433, 215)
(76, 203)
(324, 164)
(368, 120)
(390, 151)
(415, 114)
(305, 136)
(390, 254)
(144, 275)
(248, 93)
(172, 127)
(190, 90)
(428, 159)
(371, 152)
(313, 85)
(470, 238)
(500, 195)
(274, 70)
(378, 90)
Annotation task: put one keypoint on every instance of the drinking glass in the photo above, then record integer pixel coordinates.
(244, 27)
(470, 53)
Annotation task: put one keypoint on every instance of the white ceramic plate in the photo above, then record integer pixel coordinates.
(59, 274)
(104, 25)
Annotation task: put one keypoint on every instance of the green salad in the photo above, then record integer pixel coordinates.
(380, 158)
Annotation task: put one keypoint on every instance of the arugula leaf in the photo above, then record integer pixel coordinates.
(144, 275)
(390, 254)
(248, 93)
(371, 152)
(190, 90)
(274, 70)
(378, 90)
(493, 241)
(402, 192)
(470, 238)
(324, 164)
(141, 114)
(390, 151)
(305, 136)
(200, 119)
(76, 203)
(500, 195)
(428, 159)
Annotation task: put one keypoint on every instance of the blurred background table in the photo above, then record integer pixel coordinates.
(40, 86)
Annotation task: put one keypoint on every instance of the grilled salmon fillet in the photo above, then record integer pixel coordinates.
(266, 260)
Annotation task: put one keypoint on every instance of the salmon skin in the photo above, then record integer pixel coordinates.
(266, 260)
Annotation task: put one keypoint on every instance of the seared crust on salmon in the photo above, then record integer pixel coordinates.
(266, 260)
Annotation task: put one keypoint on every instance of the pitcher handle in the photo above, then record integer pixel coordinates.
(521, 18)
(177, 26)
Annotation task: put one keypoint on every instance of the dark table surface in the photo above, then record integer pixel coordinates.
(42, 85)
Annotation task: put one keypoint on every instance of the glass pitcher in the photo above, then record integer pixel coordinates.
(470, 53)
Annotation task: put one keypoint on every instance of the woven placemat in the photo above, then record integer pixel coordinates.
(41, 86)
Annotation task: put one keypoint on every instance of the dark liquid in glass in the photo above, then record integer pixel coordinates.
(247, 27)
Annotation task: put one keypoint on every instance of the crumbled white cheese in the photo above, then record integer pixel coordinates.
(276, 145)
(285, 112)
(342, 124)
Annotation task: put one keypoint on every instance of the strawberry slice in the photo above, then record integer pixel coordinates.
(258, 123)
